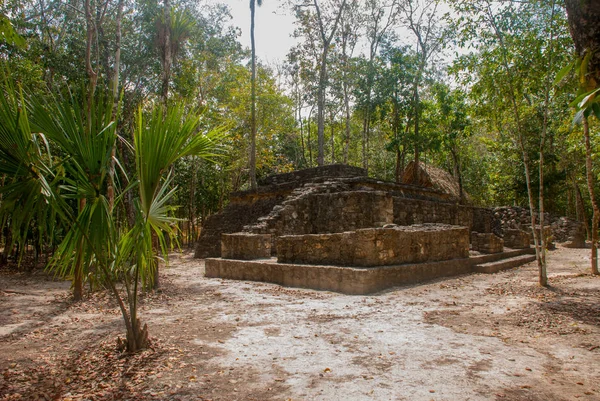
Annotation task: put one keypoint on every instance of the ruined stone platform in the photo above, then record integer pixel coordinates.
(333, 199)
(350, 280)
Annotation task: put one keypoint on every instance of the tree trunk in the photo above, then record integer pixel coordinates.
(399, 165)
(92, 75)
(110, 191)
(580, 209)
(538, 243)
(308, 141)
(166, 72)
(591, 184)
(326, 42)
(253, 100)
(321, 106)
(417, 112)
(332, 138)
(543, 276)
(347, 122)
(583, 16)
(457, 173)
(79, 268)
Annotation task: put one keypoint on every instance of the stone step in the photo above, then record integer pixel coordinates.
(504, 264)
(507, 253)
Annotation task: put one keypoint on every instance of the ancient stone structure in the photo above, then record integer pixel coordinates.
(486, 242)
(333, 199)
(569, 232)
(370, 247)
(245, 246)
(516, 239)
(334, 228)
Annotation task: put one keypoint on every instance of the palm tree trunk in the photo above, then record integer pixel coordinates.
(253, 100)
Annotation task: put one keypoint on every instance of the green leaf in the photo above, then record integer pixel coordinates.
(578, 119)
(587, 97)
(7, 31)
(563, 72)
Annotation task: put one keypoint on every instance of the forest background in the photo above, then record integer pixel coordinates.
(439, 91)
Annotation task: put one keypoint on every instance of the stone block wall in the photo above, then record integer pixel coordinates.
(570, 232)
(482, 220)
(417, 211)
(486, 242)
(332, 212)
(376, 246)
(309, 174)
(245, 246)
(516, 239)
(332, 199)
(231, 220)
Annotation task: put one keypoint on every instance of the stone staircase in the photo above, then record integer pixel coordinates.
(510, 258)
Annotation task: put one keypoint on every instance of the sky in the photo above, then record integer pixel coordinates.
(274, 26)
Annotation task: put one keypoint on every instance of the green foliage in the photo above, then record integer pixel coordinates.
(26, 168)
(85, 140)
(8, 33)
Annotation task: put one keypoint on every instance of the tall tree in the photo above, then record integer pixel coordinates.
(253, 4)
(166, 60)
(326, 17)
(421, 18)
(502, 31)
(583, 18)
(380, 17)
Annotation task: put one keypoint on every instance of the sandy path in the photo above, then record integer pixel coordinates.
(476, 337)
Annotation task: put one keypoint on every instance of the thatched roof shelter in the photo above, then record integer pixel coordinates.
(429, 176)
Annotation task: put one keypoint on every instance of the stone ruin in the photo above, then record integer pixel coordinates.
(508, 220)
(334, 228)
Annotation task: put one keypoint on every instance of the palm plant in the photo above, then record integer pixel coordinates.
(85, 141)
(167, 137)
(93, 237)
(26, 170)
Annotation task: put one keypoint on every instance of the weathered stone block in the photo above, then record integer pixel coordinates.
(245, 246)
(376, 246)
(516, 239)
(486, 242)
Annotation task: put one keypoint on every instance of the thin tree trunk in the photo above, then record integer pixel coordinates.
(458, 173)
(321, 107)
(416, 117)
(308, 141)
(543, 276)
(92, 75)
(326, 42)
(543, 280)
(580, 209)
(93, 79)
(347, 122)
(115, 91)
(591, 184)
(79, 268)
(302, 135)
(253, 101)
(332, 139)
(166, 73)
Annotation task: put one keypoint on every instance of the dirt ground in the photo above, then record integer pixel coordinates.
(474, 337)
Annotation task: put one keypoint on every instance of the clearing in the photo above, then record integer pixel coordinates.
(475, 337)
